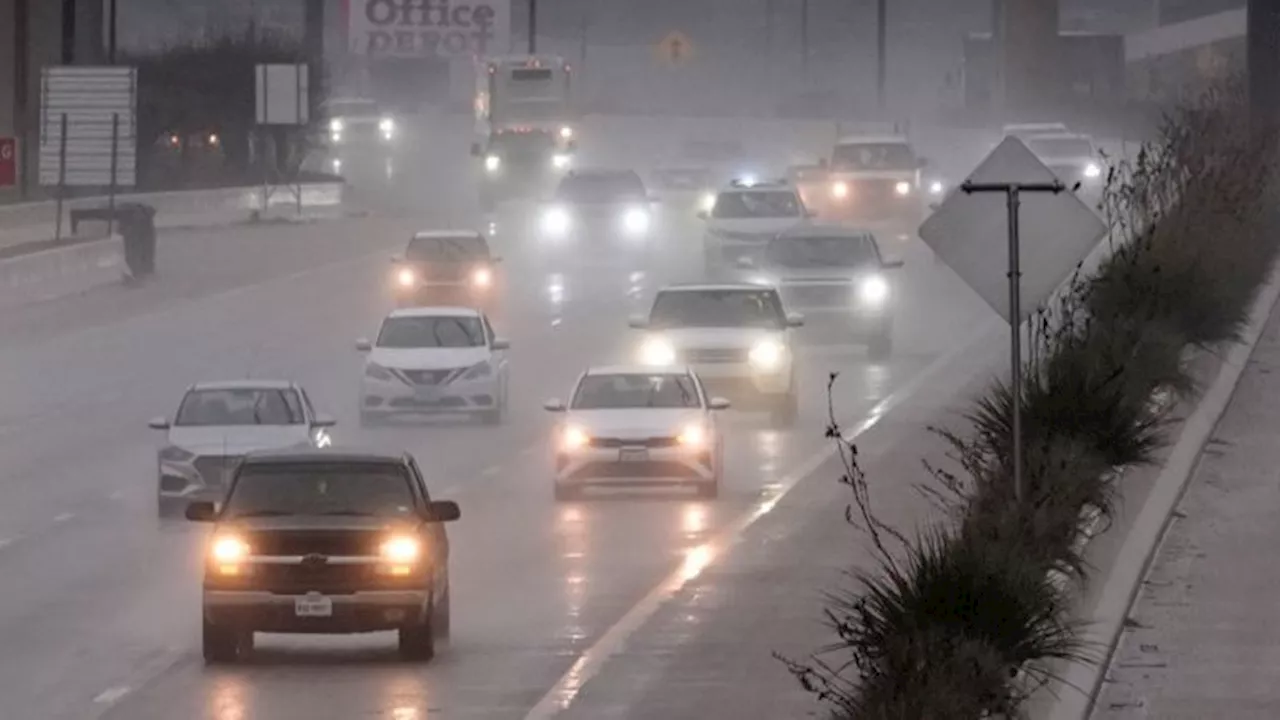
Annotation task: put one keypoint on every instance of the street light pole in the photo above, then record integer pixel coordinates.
(1013, 192)
(533, 27)
(882, 54)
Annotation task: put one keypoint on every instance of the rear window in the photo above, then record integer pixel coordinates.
(315, 489)
(462, 248)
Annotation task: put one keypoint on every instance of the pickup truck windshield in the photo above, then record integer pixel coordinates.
(315, 489)
(873, 156)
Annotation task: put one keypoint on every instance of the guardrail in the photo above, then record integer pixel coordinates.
(35, 222)
(60, 272)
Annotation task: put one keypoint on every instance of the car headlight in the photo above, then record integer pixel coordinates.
(635, 221)
(336, 126)
(176, 454)
(873, 290)
(482, 277)
(935, 188)
(406, 277)
(477, 371)
(400, 549)
(573, 438)
(492, 163)
(767, 355)
(387, 126)
(1092, 170)
(560, 161)
(902, 188)
(693, 436)
(555, 221)
(337, 165)
(566, 132)
(840, 190)
(708, 202)
(377, 372)
(656, 351)
(228, 554)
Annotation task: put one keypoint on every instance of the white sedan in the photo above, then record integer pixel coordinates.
(638, 427)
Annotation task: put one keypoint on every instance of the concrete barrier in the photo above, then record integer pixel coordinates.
(59, 272)
(34, 222)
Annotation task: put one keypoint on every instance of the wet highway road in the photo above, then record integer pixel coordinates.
(99, 610)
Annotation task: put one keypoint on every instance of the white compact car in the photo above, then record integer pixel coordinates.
(744, 216)
(638, 426)
(1071, 156)
(434, 360)
(737, 337)
(217, 424)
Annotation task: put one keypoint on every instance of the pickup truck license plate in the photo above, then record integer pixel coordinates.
(633, 455)
(313, 606)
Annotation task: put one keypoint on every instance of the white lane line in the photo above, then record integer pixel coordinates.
(492, 471)
(116, 495)
(111, 695)
(5, 542)
(614, 640)
(63, 517)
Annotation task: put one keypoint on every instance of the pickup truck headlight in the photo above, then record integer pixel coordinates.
(840, 190)
(936, 187)
(656, 351)
(492, 163)
(555, 222)
(336, 126)
(228, 555)
(560, 161)
(400, 549)
(635, 221)
(767, 355)
(903, 188)
(873, 290)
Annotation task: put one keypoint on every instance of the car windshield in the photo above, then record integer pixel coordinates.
(462, 248)
(1061, 147)
(754, 308)
(627, 391)
(443, 331)
(819, 252)
(313, 489)
(239, 406)
(601, 188)
(756, 204)
(352, 108)
(873, 156)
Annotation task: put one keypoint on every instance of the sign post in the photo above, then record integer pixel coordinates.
(675, 49)
(970, 230)
(8, 162)
(283, 99)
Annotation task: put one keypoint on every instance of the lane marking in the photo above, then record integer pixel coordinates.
(63, 517)
(590, 662)
(5, 542)
(111, 695)
(492, 471)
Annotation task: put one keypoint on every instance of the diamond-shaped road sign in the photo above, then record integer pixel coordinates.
(970, 231)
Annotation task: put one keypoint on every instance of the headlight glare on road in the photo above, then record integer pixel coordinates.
(693, 436)
(840, 190)
(492, 163)
(560, 161)
(1092, 171)
(635, 221)
(555, 221)
(400, 550)
(406, 277)
(873, 290)
(656, 351)
(482, 277)
(573, 438)
(902, 188)
(767, 355)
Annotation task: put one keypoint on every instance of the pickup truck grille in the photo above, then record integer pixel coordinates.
(298, 543)
(716, 355)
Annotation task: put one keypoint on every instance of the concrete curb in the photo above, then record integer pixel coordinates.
(1083, 681)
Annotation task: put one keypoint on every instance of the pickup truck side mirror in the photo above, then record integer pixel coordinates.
(442, 511)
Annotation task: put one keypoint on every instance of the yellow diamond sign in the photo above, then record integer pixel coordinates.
(675, 49)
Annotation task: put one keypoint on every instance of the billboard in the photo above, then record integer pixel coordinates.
(428, 28)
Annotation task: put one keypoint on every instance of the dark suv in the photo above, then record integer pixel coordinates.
(325, 541)
(446, 267)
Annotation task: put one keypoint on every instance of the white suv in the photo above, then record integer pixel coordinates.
(736, 337)
(434, 360)
(744, 217)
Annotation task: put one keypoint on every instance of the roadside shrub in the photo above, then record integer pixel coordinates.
(961, 619)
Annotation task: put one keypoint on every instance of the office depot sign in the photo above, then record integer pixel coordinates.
(428, 28)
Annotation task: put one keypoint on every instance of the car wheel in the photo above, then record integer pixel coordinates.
(440, 620)
(418, 642)
(219, 644)
(786, 410)
(880, 347)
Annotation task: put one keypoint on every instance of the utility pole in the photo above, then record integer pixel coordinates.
(882, 51)
(533, 27)
(1262, 36)
(112, 28)
(22, 92)
(804, 38)
(68, 32)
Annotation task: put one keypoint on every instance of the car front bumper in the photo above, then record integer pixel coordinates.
(358, 612)
(736, 380)
(659, 467)
(459, 396)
